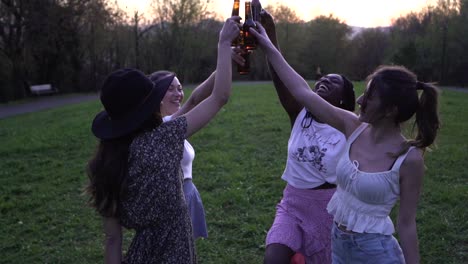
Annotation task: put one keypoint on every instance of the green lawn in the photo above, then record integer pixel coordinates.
(240, 157)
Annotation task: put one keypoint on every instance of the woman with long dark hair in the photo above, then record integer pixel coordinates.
(135, 175)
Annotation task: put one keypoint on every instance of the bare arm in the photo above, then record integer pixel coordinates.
(411, 176)
(201, 114)
(289, 103)
(342, 120)
(113, 241)
(200, 93)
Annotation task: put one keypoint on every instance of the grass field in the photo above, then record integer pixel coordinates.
(240, 157)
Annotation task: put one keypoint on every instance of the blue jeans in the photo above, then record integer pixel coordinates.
(360, 248)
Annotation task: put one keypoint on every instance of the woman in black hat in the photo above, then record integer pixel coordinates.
(135, 175)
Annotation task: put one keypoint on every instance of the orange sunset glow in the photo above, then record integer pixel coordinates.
(362, 13)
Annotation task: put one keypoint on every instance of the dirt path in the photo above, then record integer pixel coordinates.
(47, 102)
(42, 103)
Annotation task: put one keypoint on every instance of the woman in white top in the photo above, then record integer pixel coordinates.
(302, 226)
(379, 165)
(170, 105)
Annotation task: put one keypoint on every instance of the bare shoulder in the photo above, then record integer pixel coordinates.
(413, 165)
(415, 158)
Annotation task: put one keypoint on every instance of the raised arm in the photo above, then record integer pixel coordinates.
(289, 103)
(340, 119)
(200, 93)
(201, 114)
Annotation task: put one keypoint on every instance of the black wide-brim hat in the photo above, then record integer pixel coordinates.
(129, 99)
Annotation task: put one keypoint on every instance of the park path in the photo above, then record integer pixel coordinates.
(43, 103)
(47, 102)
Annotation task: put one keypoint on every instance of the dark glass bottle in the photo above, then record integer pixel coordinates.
(250, 43)
(235, 12)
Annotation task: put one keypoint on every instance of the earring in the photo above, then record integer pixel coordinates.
(341, 102)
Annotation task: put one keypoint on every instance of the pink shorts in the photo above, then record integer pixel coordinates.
(303, 224)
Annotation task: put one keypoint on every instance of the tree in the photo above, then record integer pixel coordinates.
(178, 34)
(325, 45)
(422, 40)
(290, 33)
(12, 27)
(368, 50)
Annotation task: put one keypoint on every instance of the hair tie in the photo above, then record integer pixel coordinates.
(420, 85)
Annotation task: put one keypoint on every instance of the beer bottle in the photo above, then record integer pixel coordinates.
(250, 43)
(256, 8)
(235, 12)
(235, 8)
(244, 69)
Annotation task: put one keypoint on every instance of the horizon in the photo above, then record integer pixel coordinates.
(359, 13)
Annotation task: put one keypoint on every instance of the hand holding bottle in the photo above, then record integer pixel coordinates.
(262, 38)
(241, 57)
(230, 30)
(268, 23)
(237, 55)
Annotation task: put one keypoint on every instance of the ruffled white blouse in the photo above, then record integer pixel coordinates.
(363, 200)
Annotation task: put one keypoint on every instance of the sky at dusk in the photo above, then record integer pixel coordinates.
(362, 13)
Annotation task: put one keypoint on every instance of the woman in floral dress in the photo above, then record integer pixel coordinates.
(135, 174)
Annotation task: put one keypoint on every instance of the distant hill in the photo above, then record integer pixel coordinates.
(357, 30)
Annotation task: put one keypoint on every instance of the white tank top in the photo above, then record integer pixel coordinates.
(363, 200)
(188, 156)
(313, 152)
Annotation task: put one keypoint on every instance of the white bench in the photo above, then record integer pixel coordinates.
(42, 89)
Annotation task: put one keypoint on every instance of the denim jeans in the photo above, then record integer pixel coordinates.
(360, 248)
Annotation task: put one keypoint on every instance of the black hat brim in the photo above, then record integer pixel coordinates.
(105, 128)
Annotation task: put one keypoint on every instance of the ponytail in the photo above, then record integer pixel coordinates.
(427, 116)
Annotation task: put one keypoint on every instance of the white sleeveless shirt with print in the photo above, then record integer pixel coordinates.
(313, 152)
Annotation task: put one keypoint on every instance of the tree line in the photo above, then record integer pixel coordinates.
(74, 44)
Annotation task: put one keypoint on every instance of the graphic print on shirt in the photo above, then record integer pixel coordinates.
(316, 148)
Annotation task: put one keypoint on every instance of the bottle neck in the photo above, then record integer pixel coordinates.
(248, 10)
(235, 8)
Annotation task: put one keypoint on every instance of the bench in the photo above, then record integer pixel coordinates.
(42, 89)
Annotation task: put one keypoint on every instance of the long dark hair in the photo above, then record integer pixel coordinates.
(349, 98)
(108, 169)
(398, 87)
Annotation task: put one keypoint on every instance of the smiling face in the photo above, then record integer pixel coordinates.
(330, 88)
(173, 98)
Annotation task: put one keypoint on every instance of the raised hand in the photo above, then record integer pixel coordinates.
(268, 23)
(230, 30)
(236, 55)
(262, 37)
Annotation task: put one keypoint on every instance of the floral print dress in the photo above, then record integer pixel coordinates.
(154, 205)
